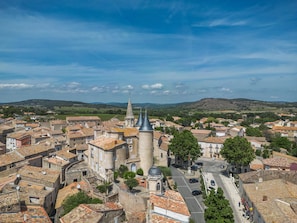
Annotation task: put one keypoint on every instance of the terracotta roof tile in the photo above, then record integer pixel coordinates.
(127, 131)
(277, 162)
(9, 158)
(30, 214)
(107, 143)
(172, 201)
(155, 218)
(39, 173)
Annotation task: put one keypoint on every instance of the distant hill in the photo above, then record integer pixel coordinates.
(50, 104)
(206, 104)
(240, 104)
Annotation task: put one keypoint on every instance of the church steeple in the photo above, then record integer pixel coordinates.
(129, 119)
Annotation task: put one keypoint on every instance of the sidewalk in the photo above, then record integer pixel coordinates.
(234, 195)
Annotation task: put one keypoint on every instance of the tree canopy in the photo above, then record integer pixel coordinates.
(131, 183)
(218, 208)
(238, 151)
(185, 146)
(73, 201)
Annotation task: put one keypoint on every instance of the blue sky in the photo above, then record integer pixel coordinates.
(150, 51)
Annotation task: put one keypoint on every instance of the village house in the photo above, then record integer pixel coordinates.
(30, 213)
(86, 121)
(168, 207)
(211, 146)
(257, 142)
(107, 154)
(286, 131)
(39, 186)
(4, 131)
(57, 124)
(77, 136)
(280, 161)
(201, 134)
(17, 139)
(161, 152)
(269, 195)
(95, 213)
(237, 131)
(10, 162)
(59, 161)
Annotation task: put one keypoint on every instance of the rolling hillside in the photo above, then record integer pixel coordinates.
(206, 104)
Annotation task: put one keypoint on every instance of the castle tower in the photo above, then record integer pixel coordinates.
(146, 146)
(129, 119)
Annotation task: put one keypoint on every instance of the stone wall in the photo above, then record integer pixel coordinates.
(132, 202)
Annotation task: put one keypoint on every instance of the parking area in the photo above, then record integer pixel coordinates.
(194, 203)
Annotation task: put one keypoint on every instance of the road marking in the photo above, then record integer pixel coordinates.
(191, 191)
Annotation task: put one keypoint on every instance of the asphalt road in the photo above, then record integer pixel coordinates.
(194, 203)
(214, 167)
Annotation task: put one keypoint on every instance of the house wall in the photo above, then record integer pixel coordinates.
(171, 214)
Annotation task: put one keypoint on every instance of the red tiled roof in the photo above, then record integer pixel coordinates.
(172, 201)
(277, 162)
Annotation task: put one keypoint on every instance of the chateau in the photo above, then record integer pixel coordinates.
(130, 145)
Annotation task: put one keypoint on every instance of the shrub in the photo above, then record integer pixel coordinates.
(122, 170)
(139, 172)
(129, 175)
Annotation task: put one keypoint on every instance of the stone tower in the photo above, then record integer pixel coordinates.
(146, 146)
(155, 180)
(129, 119)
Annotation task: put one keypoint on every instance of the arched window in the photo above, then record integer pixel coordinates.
(133, 167)
(158, 186)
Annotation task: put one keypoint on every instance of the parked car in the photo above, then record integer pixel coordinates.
(196, 192)
(212, 183)
(194, 167)
(199, 163)
(193, 180)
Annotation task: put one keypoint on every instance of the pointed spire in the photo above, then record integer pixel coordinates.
(129, 113)
(146, 125)
(140, 119)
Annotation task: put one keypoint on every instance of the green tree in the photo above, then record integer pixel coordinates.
(280, 142)
(73, 201)
(238, 151)
(218, 208)
(185, 146)
(266, 153)
(104, 188)
(250, 131)
(131, 183)
(122, 170)
(129, 175)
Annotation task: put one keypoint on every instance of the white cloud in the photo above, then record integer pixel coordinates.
(73, 85)
(157, 86)
(226, 89)
(221, 22)
(16, 86)
(153, 86)
(128, 87)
